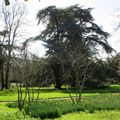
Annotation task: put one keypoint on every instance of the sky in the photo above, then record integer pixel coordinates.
(105, 12)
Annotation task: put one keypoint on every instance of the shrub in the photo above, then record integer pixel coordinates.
(12, 105)
(43, 110)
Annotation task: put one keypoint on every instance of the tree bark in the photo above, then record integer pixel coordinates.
(7, 75)
(58, 84)
(2, 76)
(1, 69)
(57, 76)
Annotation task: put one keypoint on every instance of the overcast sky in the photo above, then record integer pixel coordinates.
(105, 13)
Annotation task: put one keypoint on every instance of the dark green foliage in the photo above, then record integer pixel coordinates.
(12, 105)
(55, 108)
(45, 110)
(71, 28)
(114, 68)
(70, 34)
(98, 75)
(41, 72)
(7, 2)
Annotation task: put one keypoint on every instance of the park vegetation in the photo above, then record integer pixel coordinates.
(71, 64)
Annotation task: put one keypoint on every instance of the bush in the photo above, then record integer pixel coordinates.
(13, 104)
(53, 109)
(43, 110)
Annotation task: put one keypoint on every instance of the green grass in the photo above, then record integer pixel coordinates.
(7, 113)
(11, 95)
(13, 114)
(97, 115)
(103, 99)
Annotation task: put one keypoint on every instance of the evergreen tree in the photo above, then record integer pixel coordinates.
(69, 33)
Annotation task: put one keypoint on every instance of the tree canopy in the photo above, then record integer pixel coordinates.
(71, 28)
(70, 35)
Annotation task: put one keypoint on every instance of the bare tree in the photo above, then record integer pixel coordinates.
(79, 71)
(12, 19)
(24, 72)
(7, 2)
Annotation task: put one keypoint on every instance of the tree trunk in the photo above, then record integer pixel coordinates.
(8, 66)
(1, 69)
(57, 76)
(58, 84)
(7, 75)
(2, 76)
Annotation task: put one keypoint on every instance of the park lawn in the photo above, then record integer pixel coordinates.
(56, 108)
(13, 114)
(5, 109)
(97, 115)
(50, 92)
(11, 95)
(7, 113)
